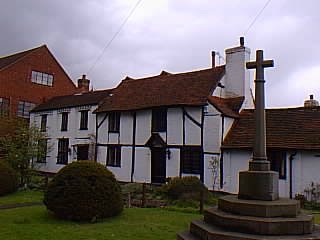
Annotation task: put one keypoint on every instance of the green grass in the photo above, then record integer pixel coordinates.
(135, 223)
(24, 196)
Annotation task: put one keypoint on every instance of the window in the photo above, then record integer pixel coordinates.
(278, 162)
(159, 120)
(190, 158)
(4, 107)
(24, 109)
(42, 151)
(43, 126)
(114, 156)
(114, 122)
(64, 121)
(84, 120)
(63, 149)
(42, 78)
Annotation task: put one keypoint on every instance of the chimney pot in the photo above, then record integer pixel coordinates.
(213, 59)
(311, 102)
(241, 41)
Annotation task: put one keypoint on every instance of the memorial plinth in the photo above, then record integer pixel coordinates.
(256, 212)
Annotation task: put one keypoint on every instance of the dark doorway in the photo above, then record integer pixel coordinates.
(82, 152)
(158, 165)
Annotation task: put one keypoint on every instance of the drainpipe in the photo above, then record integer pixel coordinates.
(291, 157)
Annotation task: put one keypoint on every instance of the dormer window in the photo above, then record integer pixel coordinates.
(42, 78)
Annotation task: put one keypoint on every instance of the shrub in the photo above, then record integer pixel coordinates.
(8, 179)
(188, 187)
(84, 191)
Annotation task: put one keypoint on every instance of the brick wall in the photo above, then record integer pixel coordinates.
(15, 79)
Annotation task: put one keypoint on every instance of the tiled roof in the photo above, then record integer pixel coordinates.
(190, 88)
(227, 106)
(290, 128)
(8, 60)
(89, 98)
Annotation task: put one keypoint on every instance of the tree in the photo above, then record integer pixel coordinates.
(21, 145)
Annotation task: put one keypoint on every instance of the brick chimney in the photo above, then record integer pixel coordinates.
(311, 102)
(83, 84)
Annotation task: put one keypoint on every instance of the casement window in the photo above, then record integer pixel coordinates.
(42, 151)
(277, 160)
(64, 121)
(114, 156)
(24, 109)
(43, 126)
(84, 120)
(42, 78)
(159, 120)
(114, 122)
(190, 158)
(63, 150)
(4, 107)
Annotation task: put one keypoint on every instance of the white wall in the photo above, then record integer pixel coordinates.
(212, 130)
(193, 132)
(174, 126)
(73, 133)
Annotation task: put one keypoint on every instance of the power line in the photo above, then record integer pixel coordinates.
(114, 36)
(255, 19)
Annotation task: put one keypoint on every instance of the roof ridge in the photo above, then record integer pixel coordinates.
(23, 54)
(129, 79)
(23, 51)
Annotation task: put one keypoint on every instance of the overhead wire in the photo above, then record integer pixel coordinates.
(256, 17)
(114, 36)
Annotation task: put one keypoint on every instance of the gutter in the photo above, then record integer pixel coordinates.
(291, 157)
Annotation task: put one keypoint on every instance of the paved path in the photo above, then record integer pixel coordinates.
(17, 205)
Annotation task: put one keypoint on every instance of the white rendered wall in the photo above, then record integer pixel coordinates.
(193, 132)
(174, 126)
(173, 164)
(310, 165)
(73, 133)
(142, 171)
(212, 130)
(126, 126)
(143, 126)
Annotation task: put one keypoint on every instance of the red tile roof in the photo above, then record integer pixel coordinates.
(8, 60)
(227, 106)
(290, 128)
(190, 88)
(76, 100)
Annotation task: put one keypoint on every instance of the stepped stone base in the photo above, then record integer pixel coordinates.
(259, 185)
(200, 230)
(302, 224)
(278, 208)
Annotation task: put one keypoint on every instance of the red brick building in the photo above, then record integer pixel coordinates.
(30, 77)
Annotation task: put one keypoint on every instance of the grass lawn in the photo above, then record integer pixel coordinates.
(135, 223)
(24, 196)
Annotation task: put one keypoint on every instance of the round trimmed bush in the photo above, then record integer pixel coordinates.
(8, 179)
(188, 187)
(84, 191)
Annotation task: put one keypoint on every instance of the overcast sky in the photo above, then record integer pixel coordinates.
(171, 35)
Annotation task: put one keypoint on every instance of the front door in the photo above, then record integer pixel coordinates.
(158, 165)
(82, 152)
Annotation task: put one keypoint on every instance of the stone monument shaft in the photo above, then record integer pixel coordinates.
(259, 183)
(259, 161)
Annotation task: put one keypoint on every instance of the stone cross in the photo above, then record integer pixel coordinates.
(259, 161)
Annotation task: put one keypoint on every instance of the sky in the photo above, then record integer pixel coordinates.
(171, 35)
